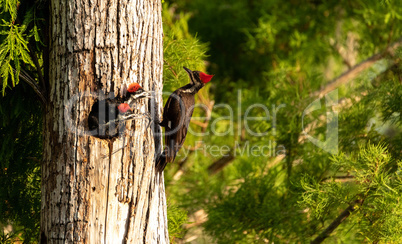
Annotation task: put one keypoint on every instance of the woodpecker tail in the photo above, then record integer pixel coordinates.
(161, 162)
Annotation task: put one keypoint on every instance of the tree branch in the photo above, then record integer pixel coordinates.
(37, 66)
(32, 83)
(340, 178)
(219, 164)
(199, 123)
(170, 68)
(321, 237)
(357, 69)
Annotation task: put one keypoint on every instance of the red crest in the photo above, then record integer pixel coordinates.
(205, 78)
(133, 87)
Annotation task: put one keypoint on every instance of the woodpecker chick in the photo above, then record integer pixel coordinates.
(103, 120)
(133, 93)
(106, 116)
(177, 115)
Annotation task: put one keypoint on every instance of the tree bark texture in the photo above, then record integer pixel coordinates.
(94, 190)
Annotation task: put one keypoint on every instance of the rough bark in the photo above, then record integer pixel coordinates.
(94, 190)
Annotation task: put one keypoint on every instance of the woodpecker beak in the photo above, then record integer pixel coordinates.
(188, 70)
(141, 93)
(148, 94)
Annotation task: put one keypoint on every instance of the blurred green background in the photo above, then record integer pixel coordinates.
(270, 59)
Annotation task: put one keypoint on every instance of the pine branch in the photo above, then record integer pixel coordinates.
(170, 67)
(321, 237)
(199, 123)
(340, 178)
(34, 58)
(357, 69)
(197, 219)
(219, 164)
(32, 83)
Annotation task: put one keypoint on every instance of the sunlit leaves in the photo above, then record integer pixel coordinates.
(180, 49)
(10, 6)
(177, 217)
(13, 52)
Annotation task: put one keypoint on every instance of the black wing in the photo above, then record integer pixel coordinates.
(176, 118)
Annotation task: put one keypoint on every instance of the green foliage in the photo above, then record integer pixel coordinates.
(13, 50)
(14, 36)
(254, 210)
(391, 102)
(180, 49)
(9, 238)
(280, 53)
(20, 153)
(11, 7)
(176, 219)
(20, 124)
(376, 183)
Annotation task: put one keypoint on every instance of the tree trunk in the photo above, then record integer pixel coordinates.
(95, 190)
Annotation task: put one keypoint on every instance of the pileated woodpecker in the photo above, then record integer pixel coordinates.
(133, 93)
(177, 115)
(105, 115)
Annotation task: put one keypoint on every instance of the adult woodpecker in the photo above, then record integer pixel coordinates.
(177, 115)
(106, 115)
